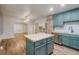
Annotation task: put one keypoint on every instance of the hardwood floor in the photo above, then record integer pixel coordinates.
(18, 50)
(62, 50)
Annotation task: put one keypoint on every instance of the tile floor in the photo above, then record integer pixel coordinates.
(62, 50)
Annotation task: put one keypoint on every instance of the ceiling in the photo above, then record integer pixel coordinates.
(34, 11)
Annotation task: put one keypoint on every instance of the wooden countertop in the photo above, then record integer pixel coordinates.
(38, 36)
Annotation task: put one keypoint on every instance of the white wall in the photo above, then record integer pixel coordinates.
(1, 25)
(20, 27)
(10, 26)
(41, 22)
(30, 27)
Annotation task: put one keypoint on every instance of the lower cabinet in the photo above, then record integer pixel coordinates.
(41, 47)
(75, 43)
(65, 40)
(29, 47)
(50, 47)
(71, 41)
(40, 50)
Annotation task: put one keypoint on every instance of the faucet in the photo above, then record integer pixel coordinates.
(72, 30)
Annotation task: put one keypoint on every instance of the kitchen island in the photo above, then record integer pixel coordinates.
(39, 44)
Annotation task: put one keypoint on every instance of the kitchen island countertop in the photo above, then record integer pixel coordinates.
(38, 36)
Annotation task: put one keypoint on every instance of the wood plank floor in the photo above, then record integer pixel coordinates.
(62, 50)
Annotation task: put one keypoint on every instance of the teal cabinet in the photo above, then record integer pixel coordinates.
(49, 47)
(30, 47)
(55, 20)
(58, 20)
(41, 50)
(75, 42)
(41, 47)
(72, 15)
(75, 15)
(65, 40)
(70, 40)
(39, 43)
(67, 16)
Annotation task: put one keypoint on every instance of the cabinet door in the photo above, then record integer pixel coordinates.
(75, 15)
(50, 47)
(58, 20)
(75, 43)
(30, 47)
(66, 16)
(55, 20)
(40, 50)
(70, 41)
(66, 40)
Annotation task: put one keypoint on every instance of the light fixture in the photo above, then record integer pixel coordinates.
(51, 9)
(26, 20)
(62, 5)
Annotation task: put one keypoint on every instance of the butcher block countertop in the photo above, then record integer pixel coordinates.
(38, 36)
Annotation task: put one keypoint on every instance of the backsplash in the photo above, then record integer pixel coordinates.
(70, 27)
(59, 29)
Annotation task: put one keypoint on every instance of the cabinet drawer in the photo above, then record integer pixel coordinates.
(50, 39)
(41, 50)
(41, 42)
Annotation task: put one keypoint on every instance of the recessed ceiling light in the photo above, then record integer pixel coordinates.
(51, 9)
(62, 4)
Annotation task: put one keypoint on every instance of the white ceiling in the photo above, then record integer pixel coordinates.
(34, 10)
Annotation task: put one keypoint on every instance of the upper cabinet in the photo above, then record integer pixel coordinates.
(68, 16)
(58, 20)
(72, 15)
(75, 15)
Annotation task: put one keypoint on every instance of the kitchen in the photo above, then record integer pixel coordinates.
(39, 29)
